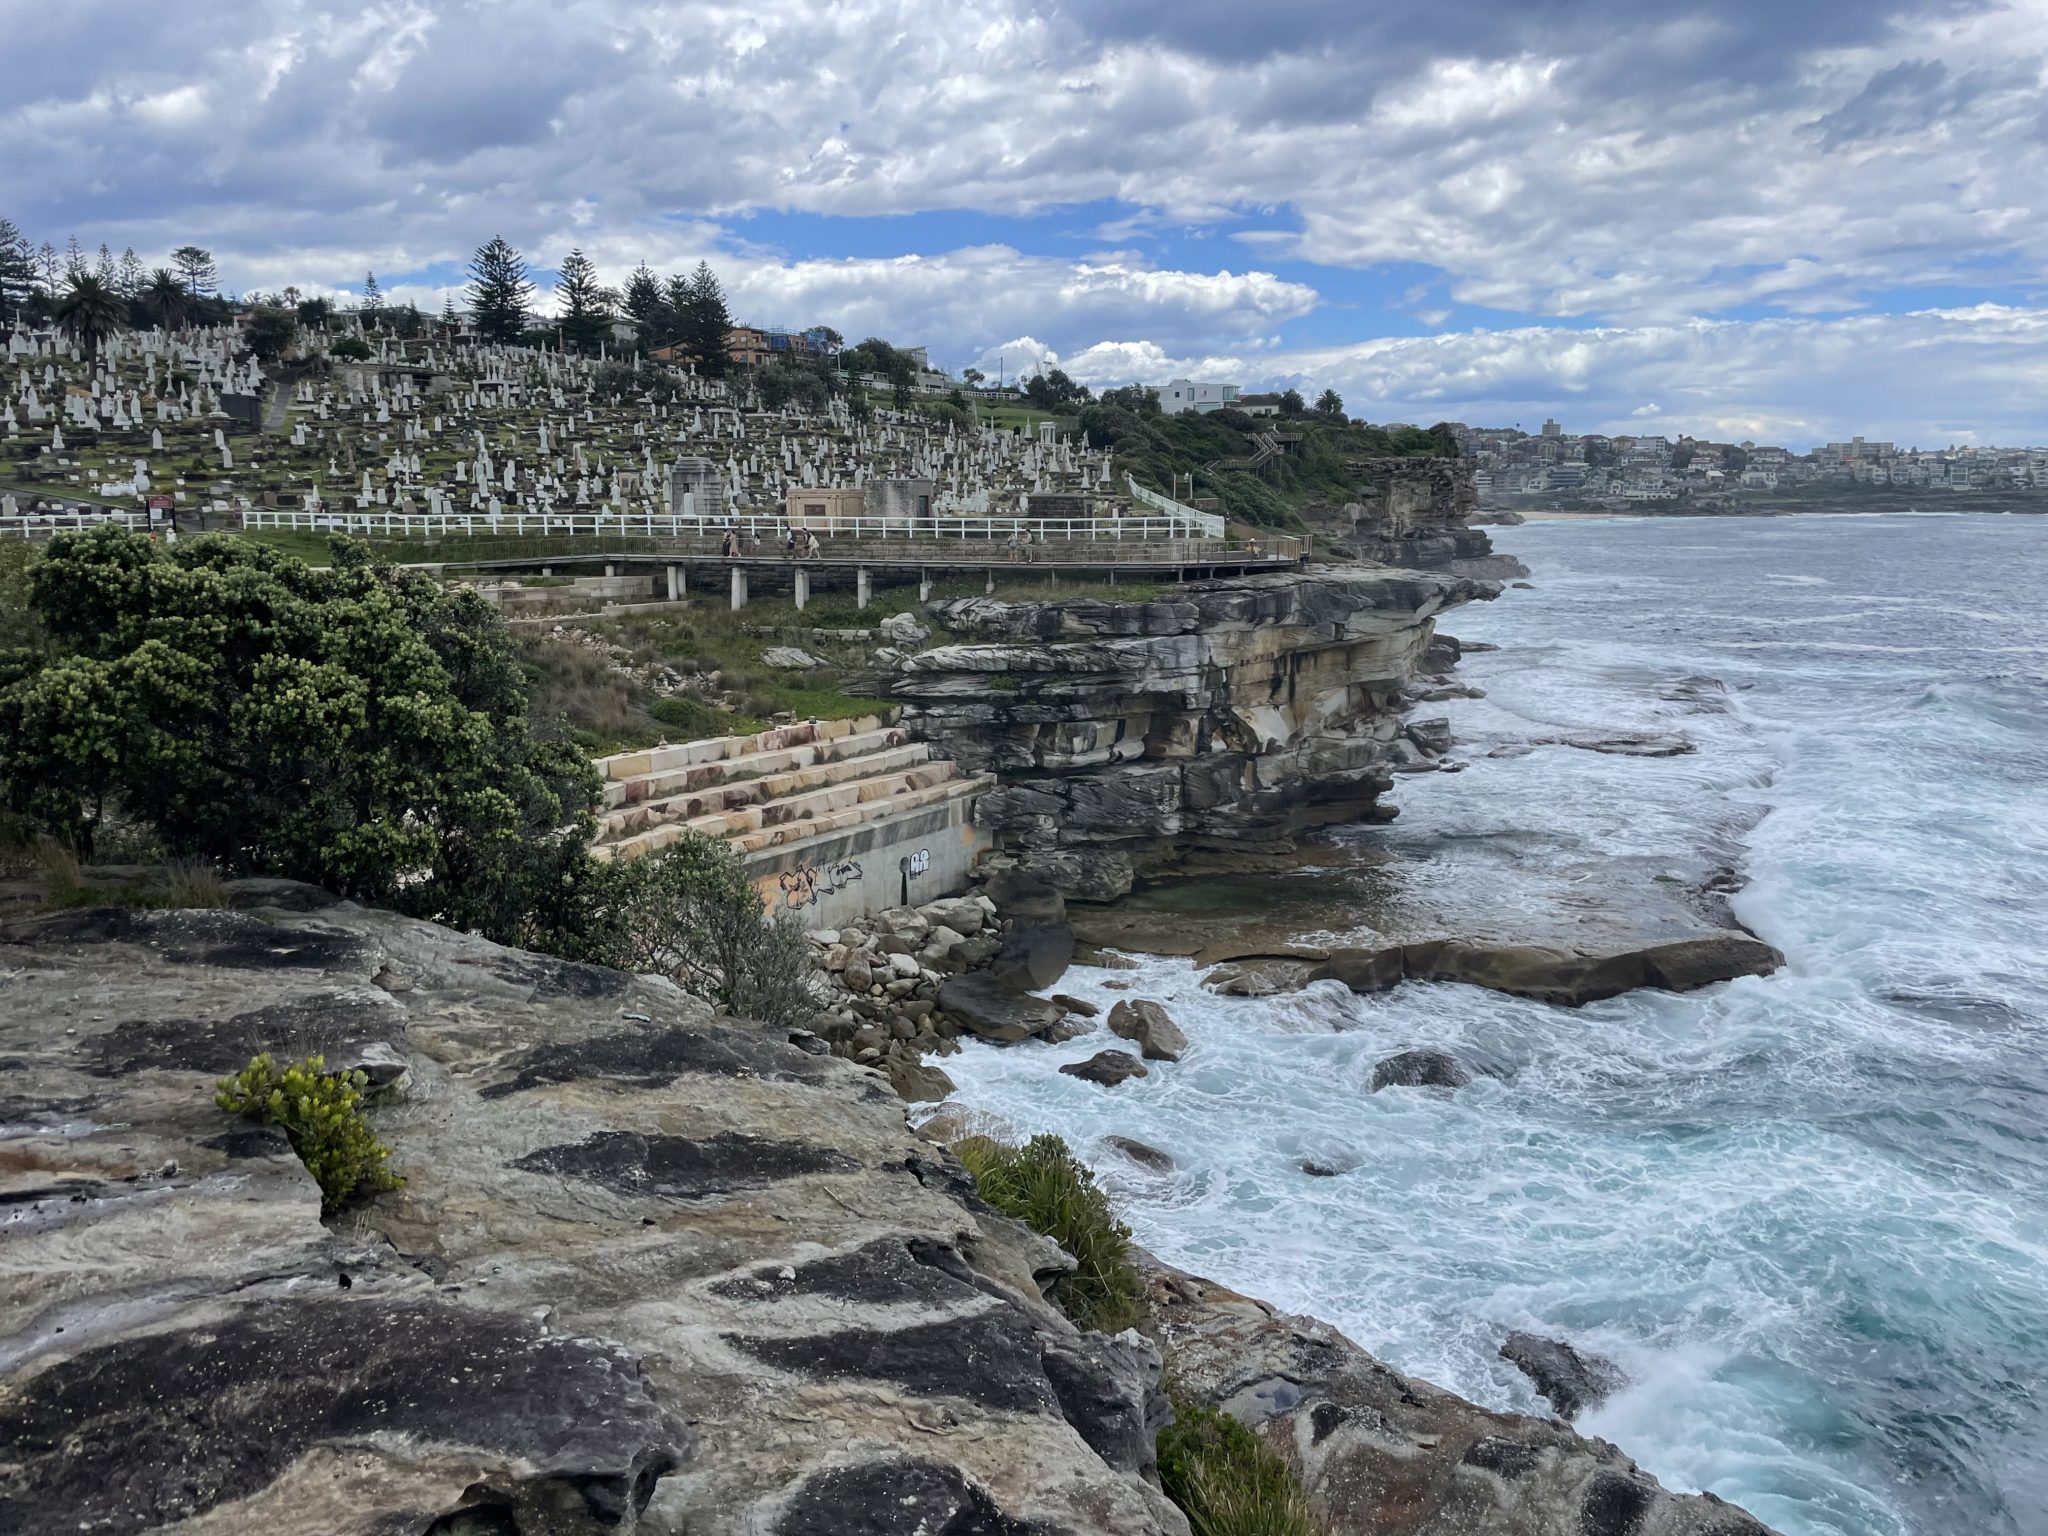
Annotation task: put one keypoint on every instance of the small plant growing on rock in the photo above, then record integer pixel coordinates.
(1047, 1188)
(1225, 1481)
(322, 1113)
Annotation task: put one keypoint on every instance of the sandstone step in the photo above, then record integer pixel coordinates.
(822, 802)
(786, 834)
(629, 765)
(638, 816)
(670, 779)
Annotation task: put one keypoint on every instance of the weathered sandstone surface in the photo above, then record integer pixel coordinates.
(1180, 732)
(648, 1272)
(1385, 1453)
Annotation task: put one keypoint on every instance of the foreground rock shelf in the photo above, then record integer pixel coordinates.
(650, 1272)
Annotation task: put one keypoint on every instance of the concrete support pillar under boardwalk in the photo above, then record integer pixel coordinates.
(863, 588)
(739, 588)
(678, 583)
(610, 569)
(803, 590)
(924, 587)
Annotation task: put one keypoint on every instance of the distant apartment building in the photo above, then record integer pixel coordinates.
(1179, 396)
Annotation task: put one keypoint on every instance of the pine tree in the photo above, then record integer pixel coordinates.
(195, 265)
(103, 269)
(17, 269)
(584, 316)
(74, 258)
(131, 277)
(649, 309)
(498, 291)
(449, 319)
(373, 298)
(703, 322)
(47, 270)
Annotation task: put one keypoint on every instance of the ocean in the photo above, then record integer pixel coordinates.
(1807, 1214)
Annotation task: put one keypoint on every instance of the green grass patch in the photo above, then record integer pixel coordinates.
(1047, 1188)
(1226, 1482)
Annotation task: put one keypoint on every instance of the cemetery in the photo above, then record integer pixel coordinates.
(453, 452)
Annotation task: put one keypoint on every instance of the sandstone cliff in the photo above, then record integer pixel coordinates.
(1414, 513)
(1183, 731)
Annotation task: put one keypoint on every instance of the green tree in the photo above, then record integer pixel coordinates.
(315, 313)
(702, 321)
(973, 376)
(1330, 404)
(131, 278)
(165, 296)
(352, 348)
(648, 306)
(1291, 403)
(499, 292)
(17, 269)
(356, 727)
(584, 317)
(269, 332)
(373, 300)
(194, 265)
(90, 312)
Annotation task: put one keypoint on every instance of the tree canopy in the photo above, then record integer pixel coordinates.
(499, 291)
(585, 316)
(91, 311)
(357, 727)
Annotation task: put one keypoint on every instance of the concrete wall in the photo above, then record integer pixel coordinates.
(842, 877)
(898, 501)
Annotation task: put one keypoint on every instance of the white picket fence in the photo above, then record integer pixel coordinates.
(40, 525)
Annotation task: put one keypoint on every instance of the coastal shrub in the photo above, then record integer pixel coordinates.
(1225, 1481)
(321, 1112)
(689, 912)
(690, 719)
(354, 726)
(1047, 1188)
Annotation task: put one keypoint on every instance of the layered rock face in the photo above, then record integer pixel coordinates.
(1183, 731)
(648, 1272)
(1416, 515)
(1383, 1453)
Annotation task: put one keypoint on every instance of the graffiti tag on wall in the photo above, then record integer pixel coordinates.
(807, 884)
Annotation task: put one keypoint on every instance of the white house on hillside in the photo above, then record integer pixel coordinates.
(1180, 395)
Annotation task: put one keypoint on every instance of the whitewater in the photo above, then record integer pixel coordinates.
(1807, 1214)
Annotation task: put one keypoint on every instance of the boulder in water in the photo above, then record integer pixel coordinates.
(986, 1007)
(1571, 1381)
(1147, 1025)
(1141, 1152)
(1107, 1068)
(1419, 1069)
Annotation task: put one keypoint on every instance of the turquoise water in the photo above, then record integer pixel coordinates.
(1808, 1213)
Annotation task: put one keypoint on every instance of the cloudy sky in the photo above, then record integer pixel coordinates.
(1786, 220)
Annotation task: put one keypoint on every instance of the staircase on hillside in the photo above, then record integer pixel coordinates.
(769, 791)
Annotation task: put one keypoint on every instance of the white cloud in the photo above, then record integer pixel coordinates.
(1625, 169)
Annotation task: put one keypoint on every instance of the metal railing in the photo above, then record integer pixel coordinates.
(1193, 520)
(749, 526)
